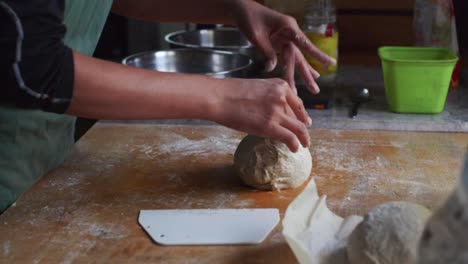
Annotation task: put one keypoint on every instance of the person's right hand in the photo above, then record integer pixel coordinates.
(264, 107)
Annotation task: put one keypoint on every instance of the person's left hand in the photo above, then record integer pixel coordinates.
(275, 33)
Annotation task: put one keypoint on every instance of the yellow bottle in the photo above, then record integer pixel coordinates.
(320, 28)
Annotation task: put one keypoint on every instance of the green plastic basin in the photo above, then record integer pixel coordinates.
(416, 78)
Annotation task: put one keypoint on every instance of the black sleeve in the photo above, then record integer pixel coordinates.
(36, 68)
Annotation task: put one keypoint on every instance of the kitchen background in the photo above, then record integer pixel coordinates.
(364, 25)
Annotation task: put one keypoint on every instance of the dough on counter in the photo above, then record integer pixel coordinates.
(269, 165)
(390, 233)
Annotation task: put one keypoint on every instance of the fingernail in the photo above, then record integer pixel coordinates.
(315, 74)
(295, 149)
(317, 88)
(332, 61)
(314, 88)
(309, 121)
(270, 65)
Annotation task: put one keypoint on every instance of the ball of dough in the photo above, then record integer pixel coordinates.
(269, 164)
(390, 233)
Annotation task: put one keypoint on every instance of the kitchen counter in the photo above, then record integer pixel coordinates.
(375, 115)
(86, 210)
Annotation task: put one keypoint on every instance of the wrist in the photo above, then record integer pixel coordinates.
(218, 99)
(213, 92)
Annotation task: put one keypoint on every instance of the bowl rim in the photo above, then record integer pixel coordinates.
(221, 52)
(168, 39)
(453, 58)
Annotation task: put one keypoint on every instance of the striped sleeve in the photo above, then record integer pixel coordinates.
(36, 69)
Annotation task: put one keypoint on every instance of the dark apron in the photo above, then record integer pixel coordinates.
(33, 142)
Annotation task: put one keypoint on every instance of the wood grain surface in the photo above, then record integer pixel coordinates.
(86, 210)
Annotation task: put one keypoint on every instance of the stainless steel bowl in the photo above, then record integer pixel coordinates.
(217, 64)
(228, 39)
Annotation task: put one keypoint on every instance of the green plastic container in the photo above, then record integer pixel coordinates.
(416, 79)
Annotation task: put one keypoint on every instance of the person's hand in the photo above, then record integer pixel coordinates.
(264, 107)
(275, 33)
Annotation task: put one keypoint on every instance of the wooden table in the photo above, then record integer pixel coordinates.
(86, 210)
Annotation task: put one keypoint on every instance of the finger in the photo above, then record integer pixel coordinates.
(263, 43)
(314, 73)
(294, 34)
(286, 136)
(305, 71)
(299, 57)
(288, 111)
(297, 106)
(303, 116)
(298, 129)
(289, 61)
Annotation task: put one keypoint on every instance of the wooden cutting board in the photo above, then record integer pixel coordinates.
(87, 209)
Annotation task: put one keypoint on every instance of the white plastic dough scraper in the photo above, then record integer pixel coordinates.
(209, 226)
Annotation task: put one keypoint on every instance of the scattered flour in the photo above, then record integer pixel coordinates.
(277, 237)
(70, 257)
(60, 183)
(6, 248)
(243, 203)
(362, 171)
(190, 200)
(208, 146)
(104, 231)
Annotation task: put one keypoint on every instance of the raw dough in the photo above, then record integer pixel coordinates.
(270, 165)
(390, 233)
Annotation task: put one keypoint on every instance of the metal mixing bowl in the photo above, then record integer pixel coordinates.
(196, 61)
(228, 39)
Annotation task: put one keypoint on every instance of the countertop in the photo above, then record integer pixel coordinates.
(86, 210)
(375, 115)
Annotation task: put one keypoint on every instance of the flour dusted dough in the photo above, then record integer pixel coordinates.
(390, 233)
(270, 165)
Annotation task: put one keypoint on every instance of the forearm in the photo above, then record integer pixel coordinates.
(204, 11)
(106, 90)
